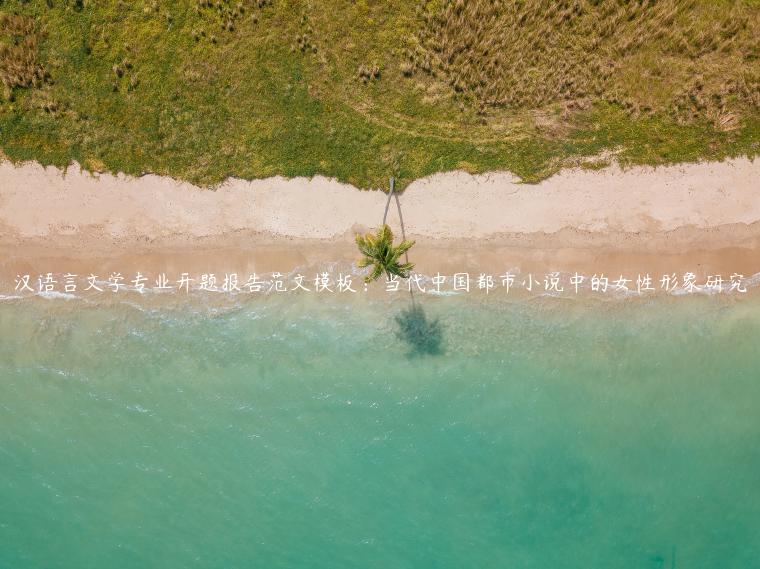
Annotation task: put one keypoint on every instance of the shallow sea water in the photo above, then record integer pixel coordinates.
(303, 432)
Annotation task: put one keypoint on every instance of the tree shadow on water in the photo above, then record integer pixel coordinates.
(423, 336)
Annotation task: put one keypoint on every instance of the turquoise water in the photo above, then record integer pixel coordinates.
(304, 433)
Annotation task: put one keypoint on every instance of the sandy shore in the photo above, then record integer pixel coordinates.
(698, 217)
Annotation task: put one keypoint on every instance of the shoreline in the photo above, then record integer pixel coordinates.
(703, 218)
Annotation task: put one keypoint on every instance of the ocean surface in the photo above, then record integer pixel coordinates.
(312, 432)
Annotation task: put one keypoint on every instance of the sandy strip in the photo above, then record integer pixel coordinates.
(705, 216)
(37, 201)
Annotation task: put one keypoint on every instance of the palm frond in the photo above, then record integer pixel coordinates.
(404, 246)
(406, 268)
(379, 252)
(375, 274)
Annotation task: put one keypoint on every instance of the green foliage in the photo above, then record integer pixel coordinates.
(382, 255)
(202, 90)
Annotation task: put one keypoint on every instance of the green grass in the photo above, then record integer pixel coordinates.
(250, 105)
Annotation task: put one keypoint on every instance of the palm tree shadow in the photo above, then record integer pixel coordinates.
(421, 335)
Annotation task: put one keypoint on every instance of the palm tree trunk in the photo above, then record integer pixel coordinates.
(401, 220)
(387, 203)
(403, 238)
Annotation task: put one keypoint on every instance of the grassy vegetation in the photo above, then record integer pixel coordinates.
(362, 89)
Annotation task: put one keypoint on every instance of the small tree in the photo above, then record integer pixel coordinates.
(382, 255)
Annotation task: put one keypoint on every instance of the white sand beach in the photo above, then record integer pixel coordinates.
(660, 216)
(45, 202)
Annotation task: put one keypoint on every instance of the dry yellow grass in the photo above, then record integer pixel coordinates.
(19, 65)
(693, 58)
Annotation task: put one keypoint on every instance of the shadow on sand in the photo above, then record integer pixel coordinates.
(423, 336)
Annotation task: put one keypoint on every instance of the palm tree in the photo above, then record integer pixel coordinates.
(423, 336)
(382, 255)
